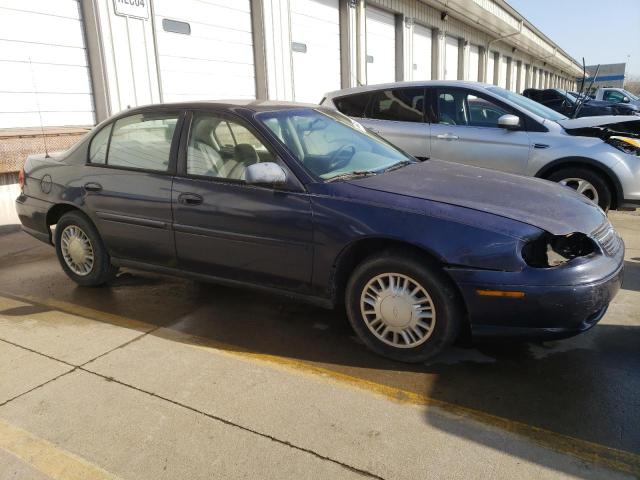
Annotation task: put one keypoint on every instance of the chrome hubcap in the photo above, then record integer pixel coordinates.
(77, 250)
(580, 185)
(397, 310)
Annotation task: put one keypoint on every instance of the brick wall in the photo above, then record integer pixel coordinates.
(17, 144)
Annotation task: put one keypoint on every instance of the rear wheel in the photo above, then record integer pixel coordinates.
(587, 182)
(403, 307)
(81, 252)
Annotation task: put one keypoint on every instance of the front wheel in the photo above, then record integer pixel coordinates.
(586, 182)
(403, 307)
(81, 252)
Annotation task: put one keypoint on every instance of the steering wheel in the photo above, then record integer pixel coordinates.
(336, 162)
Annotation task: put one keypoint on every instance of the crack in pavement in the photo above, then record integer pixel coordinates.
(362, 472)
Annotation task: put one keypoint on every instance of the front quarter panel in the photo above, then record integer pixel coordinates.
(455, 236)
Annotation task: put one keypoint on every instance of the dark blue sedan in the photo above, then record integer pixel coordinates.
(303, 201)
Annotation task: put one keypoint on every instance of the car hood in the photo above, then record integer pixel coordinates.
(543, 204)
(600, 121)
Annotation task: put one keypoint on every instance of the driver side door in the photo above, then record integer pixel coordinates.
(466, 131)
(227, 228)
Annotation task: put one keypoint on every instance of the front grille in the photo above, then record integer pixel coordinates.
(607, 238)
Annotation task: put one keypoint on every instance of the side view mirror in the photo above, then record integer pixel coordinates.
(265, 173)
(510, 122)
(626, 99)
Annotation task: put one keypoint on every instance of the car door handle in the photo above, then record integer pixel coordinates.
(448, 136)
(190, 199)
(92, 187)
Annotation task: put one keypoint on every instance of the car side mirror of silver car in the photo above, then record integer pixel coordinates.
(626, 100)
(510, 122)
(265, 173)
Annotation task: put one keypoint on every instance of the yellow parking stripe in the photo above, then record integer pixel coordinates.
(48, 458)
(584, 450)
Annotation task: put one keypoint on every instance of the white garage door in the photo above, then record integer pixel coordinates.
(315, 48)
(491, 65)
(43, 65)
(381, 46)
(523, 77)
(502, 72)
(421, 53)
(474, 63)
(451, 58)
(205, 49)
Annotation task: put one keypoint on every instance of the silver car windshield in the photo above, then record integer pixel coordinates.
(527, 104)
(331, 145)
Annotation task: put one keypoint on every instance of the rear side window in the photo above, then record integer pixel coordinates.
(400, 105)
(98, 147)
(353, 105)
(142, 141)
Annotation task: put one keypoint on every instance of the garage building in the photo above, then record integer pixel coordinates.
(68, 64)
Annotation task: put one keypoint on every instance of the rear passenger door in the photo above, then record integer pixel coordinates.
(396, 114)
(227, 228)
(127, 185)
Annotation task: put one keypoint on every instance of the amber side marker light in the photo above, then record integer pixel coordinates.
(500, 293)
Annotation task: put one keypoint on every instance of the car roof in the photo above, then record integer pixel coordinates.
(254, 105)
(415, 83)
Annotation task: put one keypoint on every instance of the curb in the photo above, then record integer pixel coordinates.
(7, 229)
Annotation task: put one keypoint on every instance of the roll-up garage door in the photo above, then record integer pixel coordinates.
(451, 58)
(315, 48)
(381, 46)
(502, 72)
(205, 49)
(421, 53)
(474, 63)
(43, 65)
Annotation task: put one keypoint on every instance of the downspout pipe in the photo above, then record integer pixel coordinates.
(491, 42)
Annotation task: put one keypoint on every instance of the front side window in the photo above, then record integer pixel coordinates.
(527, 104)
(142, 141)
(222, 148)
(613, 96)
(400, 105)
(461, 107)
(331, 145)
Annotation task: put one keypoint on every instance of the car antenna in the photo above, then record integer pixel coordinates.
(584, 75)
(35, 89)
(593, 79)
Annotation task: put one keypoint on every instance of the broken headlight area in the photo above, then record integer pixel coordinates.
(555, 250)
(626, 144)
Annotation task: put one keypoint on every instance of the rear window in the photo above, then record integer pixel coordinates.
(353, 105)
(400, 105)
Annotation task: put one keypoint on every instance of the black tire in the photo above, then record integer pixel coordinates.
(598, 182)
(445, 299)
(102, 270)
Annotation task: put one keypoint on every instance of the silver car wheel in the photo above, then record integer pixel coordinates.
(582, 186)
(398, 310)
(77, 250)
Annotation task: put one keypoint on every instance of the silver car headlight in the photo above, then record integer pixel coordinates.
(626, 144)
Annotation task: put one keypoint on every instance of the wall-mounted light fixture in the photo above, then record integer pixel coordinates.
(444, 16)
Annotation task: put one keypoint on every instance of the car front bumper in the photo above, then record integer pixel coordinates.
(546, 311)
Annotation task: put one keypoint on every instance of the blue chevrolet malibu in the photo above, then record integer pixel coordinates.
(303, 201)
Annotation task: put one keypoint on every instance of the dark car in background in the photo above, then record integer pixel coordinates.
(566, 103)
(304, 201)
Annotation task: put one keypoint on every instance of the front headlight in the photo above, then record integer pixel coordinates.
(553, 250)
(626, 144)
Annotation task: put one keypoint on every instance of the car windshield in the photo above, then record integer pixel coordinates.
(527, 104)
(331, 145)
(630, 95)
(570, 96)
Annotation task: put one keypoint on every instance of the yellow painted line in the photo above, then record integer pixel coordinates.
(47, 458)
(584, 450)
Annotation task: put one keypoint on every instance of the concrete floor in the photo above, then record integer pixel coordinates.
(157, 377)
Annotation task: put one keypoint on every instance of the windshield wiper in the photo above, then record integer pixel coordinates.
(348, 175)
(396, 166)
